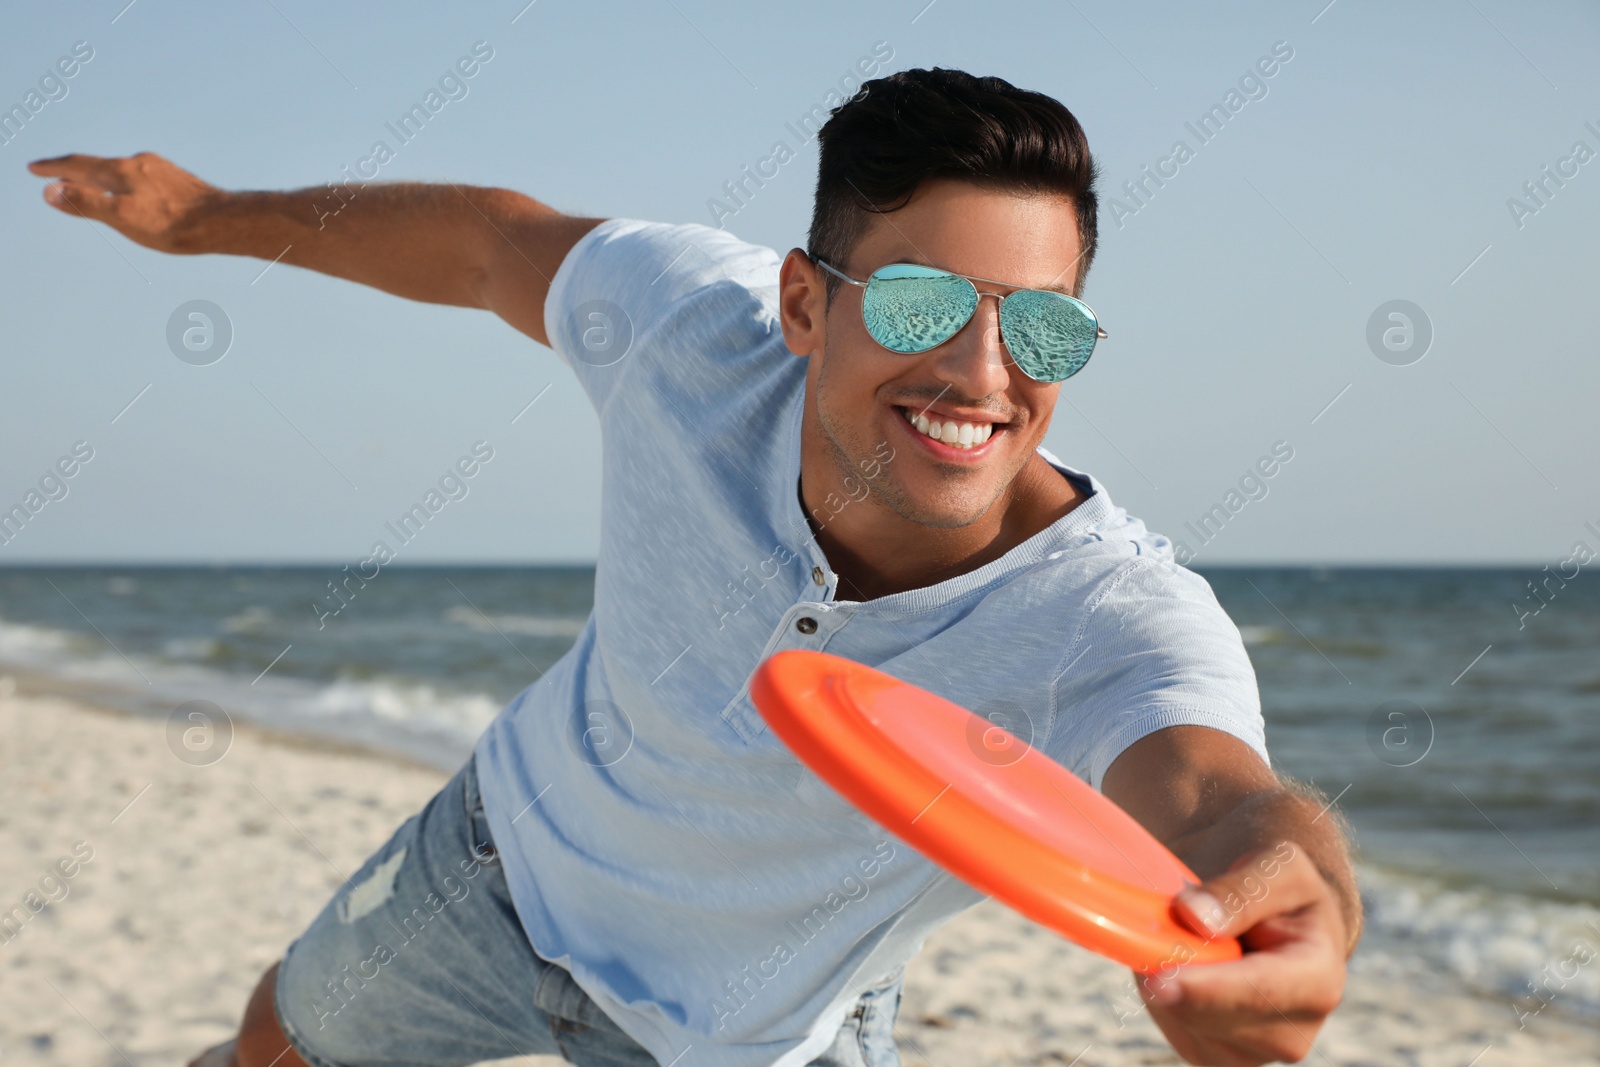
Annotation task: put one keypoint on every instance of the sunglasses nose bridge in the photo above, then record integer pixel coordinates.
(999, 300)
(982, 333)
(992, 332)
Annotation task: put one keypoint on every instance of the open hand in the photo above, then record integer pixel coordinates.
(146, 198)
(1269, 1005)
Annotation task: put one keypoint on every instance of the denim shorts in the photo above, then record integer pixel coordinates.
(420, 960)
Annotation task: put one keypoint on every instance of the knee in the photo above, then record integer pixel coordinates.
(261, 1041)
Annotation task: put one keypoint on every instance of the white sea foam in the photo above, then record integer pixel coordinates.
(1260, 635)
(24, 644)
(1503, 945)
(527, 625)
(252, 620)
(192, 648)
(385, 712)
(408, 704)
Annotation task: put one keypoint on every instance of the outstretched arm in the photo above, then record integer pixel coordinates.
(469, 246)
(1277, 876)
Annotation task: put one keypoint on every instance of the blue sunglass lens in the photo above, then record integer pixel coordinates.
(909, 309)
(1050, 335)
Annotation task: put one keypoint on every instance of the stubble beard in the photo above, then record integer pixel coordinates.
(852, 456)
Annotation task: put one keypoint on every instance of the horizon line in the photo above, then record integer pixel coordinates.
(487, 564)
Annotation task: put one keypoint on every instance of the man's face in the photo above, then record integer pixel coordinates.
(862, 396)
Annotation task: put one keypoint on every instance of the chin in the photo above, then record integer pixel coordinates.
(939, 510)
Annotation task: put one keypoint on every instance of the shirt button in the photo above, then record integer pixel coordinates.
(806, 624)
(818, 577)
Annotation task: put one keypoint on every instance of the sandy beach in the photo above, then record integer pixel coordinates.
(187, 881)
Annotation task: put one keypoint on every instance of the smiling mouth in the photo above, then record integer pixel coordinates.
(952, 433)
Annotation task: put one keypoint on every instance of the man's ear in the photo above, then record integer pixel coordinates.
(802, 304)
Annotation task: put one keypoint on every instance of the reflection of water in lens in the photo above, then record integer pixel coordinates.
(917, 313)
(1049, 336)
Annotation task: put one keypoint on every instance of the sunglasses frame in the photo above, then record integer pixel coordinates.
(1100, 334)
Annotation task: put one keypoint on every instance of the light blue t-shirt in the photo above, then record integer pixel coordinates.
(719, 901)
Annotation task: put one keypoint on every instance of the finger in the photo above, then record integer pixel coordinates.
(51, 167)
(1265, 1045)
(1261, 885)
(72, 198)
(87, 170)
(1280, 1044)
(1301, 982)
(71, 165)
(1249, 1043)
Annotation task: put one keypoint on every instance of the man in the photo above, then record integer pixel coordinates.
(633, 869)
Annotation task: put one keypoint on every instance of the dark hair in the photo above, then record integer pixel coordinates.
(900, 130)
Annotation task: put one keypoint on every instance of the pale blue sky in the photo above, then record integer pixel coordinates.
(1377, 166)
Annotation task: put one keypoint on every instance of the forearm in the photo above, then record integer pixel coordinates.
(1276, 875)
(1262, 820)
(466, 245)
(419, 241)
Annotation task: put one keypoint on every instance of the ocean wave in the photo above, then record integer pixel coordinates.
(527, 625)
(384, 711)
(22, 643)
(409, 704)
(1526, 951)
(1260, 635)
(1271, 635)
(191, 648)
(252, 620)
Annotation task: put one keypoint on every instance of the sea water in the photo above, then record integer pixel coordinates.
(1455, 729)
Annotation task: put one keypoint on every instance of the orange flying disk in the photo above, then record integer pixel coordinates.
(986, 806)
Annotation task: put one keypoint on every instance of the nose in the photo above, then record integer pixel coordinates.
(974, 362)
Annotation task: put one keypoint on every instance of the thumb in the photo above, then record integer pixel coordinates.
(1259, 885)
(75, 198)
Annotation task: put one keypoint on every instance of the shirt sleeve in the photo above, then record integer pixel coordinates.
(626, 279)
(1155, 650)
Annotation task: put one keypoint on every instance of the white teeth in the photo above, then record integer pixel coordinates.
(952, 433)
